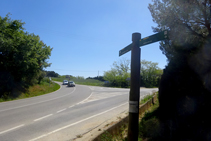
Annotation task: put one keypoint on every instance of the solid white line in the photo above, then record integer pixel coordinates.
(38, 102)
(71, 106)
(61, 110)
(44, 135)
(11, 129)
(100, 98)
(81, 101)
(85, 99)
(92, 100)
(43, 117)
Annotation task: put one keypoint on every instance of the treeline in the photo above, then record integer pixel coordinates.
(119, 75)
(22, 57)
(150, 74)
(54, 74)
(51, 74)
(100, 78)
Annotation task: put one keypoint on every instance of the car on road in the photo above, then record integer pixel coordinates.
(65, 82)
(71, 84)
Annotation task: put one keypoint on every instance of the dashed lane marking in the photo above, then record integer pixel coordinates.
(57, 130)
(43, 117)
(11, 129)
(61, 110)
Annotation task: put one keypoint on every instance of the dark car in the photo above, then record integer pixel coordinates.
(71, 84)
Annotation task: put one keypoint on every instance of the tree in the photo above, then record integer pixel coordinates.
(150, 74)
(184, 90)
(188, 22)
(22, 55)
(118, 74)
(40, 76)
(80, 77)
(51, 74)
(122, 66)
(100, 78)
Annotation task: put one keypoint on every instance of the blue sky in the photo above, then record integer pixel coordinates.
(86, 36)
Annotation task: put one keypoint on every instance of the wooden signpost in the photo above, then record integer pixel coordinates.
(134, 97)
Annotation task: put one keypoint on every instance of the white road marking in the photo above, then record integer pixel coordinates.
(37, 102)
(92, 100)
(44, 135)
(81, 101)
(100, 97)
(71, 106)
(11, 129)
(85, 99)
(43, 117)
(61, 110)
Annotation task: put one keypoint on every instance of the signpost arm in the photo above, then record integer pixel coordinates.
(134, 89)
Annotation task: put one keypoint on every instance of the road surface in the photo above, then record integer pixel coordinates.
(62, 115)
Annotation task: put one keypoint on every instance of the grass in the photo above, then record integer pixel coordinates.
(148, 125)
(90, 82)
(35, 90)
(41, 89)
(146, 98)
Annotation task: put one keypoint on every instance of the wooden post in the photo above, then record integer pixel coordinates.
(134, 89)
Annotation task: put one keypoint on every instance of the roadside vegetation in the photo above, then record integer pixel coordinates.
(148, 125)
(145, 99)
(119, 75)
(38, 89)
(23, 56)
(185, 82)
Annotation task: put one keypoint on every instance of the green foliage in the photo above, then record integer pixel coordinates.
(119, 137)
(119, 74)
(149, 126)
(80, 77)
(188, 22)
(40, 76)
(150, 74)
(35, 90)
(188, 71)
(97, 78)
(107, 137)
(51, 74)
(123, 66)
(116, 80)
(91, 82)
(145, 99)
(22, 56)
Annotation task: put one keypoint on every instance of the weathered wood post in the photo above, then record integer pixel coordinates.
(134, 89)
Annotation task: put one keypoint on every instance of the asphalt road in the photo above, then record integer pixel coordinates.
(62, 115)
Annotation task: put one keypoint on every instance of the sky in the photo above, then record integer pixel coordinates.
(86, 36)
